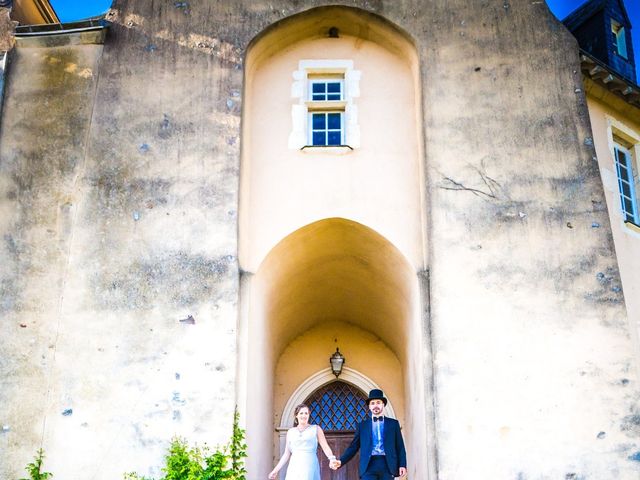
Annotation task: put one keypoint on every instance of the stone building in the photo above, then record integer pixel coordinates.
(202, 201)
(613, 100)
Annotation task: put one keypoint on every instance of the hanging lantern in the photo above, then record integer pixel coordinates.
(337, 361)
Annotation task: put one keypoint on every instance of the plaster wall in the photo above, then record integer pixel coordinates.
(119, 274)
(122, 219)
(533, 355)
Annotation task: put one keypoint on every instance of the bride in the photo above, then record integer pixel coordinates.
(302, 443)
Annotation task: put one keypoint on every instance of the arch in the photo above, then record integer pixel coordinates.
(319, 380)
(315, 23)
(368, 282)
(332, 281)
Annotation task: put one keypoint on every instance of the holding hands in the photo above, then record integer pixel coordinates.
(334, 463)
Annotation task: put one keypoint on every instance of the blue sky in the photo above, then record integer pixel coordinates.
(70, 10)
(562, 8)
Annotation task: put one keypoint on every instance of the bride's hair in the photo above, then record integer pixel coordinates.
(297, 410)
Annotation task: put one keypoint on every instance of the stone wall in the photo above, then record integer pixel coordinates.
(119, 171)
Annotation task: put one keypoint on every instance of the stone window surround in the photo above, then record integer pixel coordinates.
(616, 128)
(299, 136)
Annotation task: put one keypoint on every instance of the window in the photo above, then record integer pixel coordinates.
(627, 182)
(620, 38)
(337, 406)
(624, 146)
(327, 129)
(326, 108)
(324, 113)
(326, 90)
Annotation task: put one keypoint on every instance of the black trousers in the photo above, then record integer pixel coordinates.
(377, 469)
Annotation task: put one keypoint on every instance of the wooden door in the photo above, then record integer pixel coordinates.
(338, 407)
(338, 441)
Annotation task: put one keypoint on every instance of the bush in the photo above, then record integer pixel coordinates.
(34, 468)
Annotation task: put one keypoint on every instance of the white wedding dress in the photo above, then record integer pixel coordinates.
(303, 464)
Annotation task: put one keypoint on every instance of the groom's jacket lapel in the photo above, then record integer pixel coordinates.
(389, 434)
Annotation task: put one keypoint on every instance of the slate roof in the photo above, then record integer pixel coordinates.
(588, 10)
(609, 79)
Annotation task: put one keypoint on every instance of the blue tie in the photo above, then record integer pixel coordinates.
(378, 447)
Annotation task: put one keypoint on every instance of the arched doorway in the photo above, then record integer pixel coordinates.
(337, 405)
(332, 283)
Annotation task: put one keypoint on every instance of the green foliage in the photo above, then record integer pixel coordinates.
(200, 463)
(237, 449)
(135, 476)
(34, 468)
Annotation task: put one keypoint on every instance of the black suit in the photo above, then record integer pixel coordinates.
(395, 455)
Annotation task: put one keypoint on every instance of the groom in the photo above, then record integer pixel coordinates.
(382, 454)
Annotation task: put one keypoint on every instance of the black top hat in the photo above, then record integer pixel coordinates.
(376, 394)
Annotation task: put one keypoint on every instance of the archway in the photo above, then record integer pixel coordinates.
(332, 282)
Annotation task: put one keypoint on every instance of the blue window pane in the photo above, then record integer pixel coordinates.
(319, 121)
(334, 121)
(318, 91)
(333, 97)
(334, 138)
(319, 138)
(628, 205)
(333, 87)
(623, 169)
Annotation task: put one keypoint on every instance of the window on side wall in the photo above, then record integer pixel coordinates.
(620, 38)
(627, 179)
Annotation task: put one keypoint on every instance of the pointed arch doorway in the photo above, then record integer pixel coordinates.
(333, 283)
(337, 405)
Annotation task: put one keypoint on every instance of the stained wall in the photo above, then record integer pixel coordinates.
(120, 194)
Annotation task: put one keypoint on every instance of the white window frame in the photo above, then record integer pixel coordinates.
(314, 71)
(623, 140)
(627, 183)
